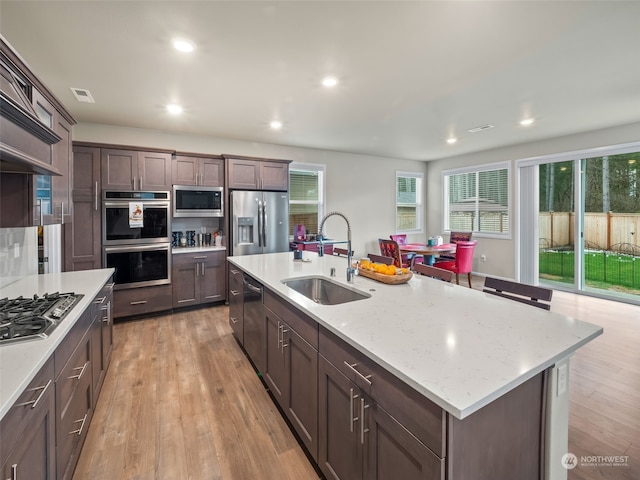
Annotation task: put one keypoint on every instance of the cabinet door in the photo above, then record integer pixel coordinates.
(184, 280)
(27, 431)
(236, 307)
(119, 169)
(243, 174)
(61, 187)
(82, 236)
(275, 371)
(340, 453)
(212, 278)
(106, 315)
(154, 171)
(392, 452)
(185, 170)
(212, 172)
(274, 176)
(301, 365)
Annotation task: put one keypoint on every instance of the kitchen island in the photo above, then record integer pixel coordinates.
(475, 356)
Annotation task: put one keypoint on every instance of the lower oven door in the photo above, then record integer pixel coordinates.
(139, 265)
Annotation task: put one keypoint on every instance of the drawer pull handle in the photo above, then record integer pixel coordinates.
(139, 302)
(34, 403)
(233, 320)
(200, 257)
(353, 366)
(234, 292)
(352, 419)
(82, 369)
(14, 472)
(235, 272)
(363, 430)
(100, 300)
(79, 431)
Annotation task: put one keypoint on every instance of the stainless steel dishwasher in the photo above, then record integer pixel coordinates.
(254, 322)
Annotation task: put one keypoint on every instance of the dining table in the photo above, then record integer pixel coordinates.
(429, 251)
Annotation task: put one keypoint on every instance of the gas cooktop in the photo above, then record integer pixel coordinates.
(33, 317)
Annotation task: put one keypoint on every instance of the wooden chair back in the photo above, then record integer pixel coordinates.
(341, 252)
(390, 248)
(433, 272)
(380, 259)
(520, 292)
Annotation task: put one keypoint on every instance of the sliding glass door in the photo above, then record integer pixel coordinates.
(584, 214)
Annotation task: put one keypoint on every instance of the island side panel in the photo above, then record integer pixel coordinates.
(505, 439)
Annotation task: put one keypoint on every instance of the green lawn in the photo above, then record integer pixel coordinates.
(602, 269)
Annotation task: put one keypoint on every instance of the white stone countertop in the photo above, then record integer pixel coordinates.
(21, 361)
(460, 348)
(178, 250)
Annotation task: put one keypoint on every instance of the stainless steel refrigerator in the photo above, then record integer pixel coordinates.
(259, 222)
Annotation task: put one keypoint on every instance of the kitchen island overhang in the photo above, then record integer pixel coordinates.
(460, 348)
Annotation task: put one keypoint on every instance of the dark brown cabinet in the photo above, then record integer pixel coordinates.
(74, 394)
(101, 337)
(135, 170)
(27, 442)
(143, 300)
(236, 303)
(195, 170)
(198, 278)
(291, 370)
(82, 235)
(255, 174)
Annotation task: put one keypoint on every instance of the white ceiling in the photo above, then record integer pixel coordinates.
(411, 73)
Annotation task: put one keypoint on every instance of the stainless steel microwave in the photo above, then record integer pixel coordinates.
(195, 201)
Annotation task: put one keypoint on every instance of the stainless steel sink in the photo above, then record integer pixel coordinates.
(324, 291)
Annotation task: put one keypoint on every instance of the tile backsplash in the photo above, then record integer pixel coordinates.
(18, 253)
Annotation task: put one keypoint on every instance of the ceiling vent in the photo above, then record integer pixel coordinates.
(480, 128)
(82, 95)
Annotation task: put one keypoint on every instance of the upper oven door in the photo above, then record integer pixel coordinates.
(190, 201)
(119, 228)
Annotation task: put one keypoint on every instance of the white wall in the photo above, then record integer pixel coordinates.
(360, 186)
(500, 253)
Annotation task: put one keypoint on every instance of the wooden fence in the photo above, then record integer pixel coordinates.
(601, 230)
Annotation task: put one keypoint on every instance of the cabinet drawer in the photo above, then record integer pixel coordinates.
(25, 408)
(138, 301)
(305, 326)
(71, 341)
(211, 258)
(73, 407)
(419, 415)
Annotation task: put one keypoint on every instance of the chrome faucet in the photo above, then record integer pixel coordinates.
(350, 270)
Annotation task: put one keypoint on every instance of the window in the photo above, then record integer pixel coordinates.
(306, 196)
(477, 199)
(409, 202)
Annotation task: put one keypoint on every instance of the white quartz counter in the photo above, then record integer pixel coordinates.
(460, 348)
(21, 361)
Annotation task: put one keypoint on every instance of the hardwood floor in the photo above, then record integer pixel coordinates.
(180, 400)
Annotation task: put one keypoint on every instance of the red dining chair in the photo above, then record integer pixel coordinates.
(390, 248)
(407, 258)
(455, 237)
(463, 262)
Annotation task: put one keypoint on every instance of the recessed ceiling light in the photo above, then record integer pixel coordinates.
(451, 140)
(183, 46)
(527, 121)
(276, 125)
(174, 109)
(329, 81)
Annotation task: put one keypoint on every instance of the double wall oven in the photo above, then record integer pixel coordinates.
(136, 231)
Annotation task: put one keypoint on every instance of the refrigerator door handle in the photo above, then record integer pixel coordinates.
(264, 224)
(260, 226)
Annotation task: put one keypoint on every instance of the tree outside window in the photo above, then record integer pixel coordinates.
(409, 202)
